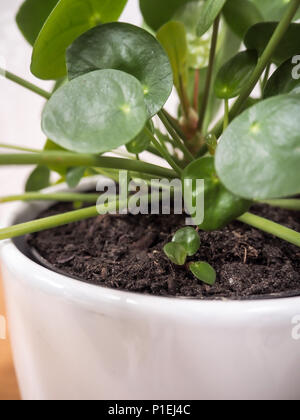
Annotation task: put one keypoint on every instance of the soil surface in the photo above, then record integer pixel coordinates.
(125, 252)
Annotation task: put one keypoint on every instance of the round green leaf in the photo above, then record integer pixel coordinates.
(31, 17)
(286, 79)
(241, 15)
(209, 13)
(259, 35)
(95, 113)
(258, 155)
(67, 22)
(128, 48)
(158, 12)
(220, 205)
(204, 272)
(172, 37)
(234, 74)
(189, 239)
(176, 253)
(38, 179)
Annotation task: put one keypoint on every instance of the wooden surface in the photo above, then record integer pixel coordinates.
(8, 382)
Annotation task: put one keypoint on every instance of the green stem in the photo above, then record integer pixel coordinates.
(181, 146)
(24, 83)
(62, 197)
(275, 229)
(266, 77)
(266, 57)
(226, 117)
(85, 160)
(174, 124)
(163, 151)
(289, 204)
(209, 73)
(55, 221)
(19, 148)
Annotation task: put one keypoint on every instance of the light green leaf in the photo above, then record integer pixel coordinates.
(172, 37)
(241, 15)
(259, 35)
(127, 48)
(286, 79)
(38, 179)
(176, 253)
(158, 12)
(31, 17)
(209, 13)
(70, 19)
(188, 238)
(97, 112)
(258, 155)
(234, 74)
(220, 205)
(204, 272)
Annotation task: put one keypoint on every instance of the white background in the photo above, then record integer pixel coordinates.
(20, 109)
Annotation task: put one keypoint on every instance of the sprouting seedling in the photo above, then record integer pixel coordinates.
(186, 243)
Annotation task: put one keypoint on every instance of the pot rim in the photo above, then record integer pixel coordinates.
(56, 283)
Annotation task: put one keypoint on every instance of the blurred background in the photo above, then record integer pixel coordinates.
(20, 109)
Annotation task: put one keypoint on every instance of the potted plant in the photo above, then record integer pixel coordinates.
(216, 315)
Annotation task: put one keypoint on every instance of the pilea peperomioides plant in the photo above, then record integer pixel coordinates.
(113, 79)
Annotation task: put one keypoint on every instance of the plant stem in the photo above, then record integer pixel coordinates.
(266, 56)
(62, 197)
(275, 229)
(196, 90)
(266, 77)
(85, 160)
(226, 115)
(181, 146)
(24, 83)
(55, 221)
(163, 152)
(210, 70)
(289, 204)
(19, 148)
(174, 124)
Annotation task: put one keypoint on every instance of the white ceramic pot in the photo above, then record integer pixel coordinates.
(72, 340)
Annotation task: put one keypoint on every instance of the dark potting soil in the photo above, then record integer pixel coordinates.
(125, 252)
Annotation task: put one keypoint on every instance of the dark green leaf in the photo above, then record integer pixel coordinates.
(97, 112)
(69, 20)
(189, 239)
(204, 272)
(38, 179)
(210, 11)
(220, 205)
(259, 153)
(141, 142)
(234, 74)
(158, 12)
(259, 35)
(74, 176)
(128, 48)
(176, 253)
(172, 37)
(31, 17)
(286, 79)
(241, 15)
